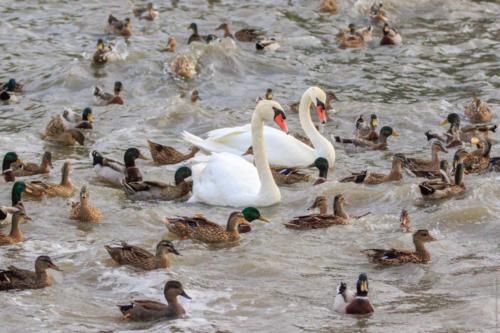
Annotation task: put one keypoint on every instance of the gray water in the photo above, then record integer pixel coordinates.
(275, 279)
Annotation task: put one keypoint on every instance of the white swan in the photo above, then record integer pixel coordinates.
(225, 179)
(283, 150)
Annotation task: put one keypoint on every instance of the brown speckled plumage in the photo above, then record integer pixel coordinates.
(138, 257)
(163, 155)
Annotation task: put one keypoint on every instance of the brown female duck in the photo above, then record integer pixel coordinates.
(377, 13)
(420, 167)
(9, 161)
(16, 278)
(381, 144)
(369, 131)
(478, 111)
(57, 131)
(64, 189)
(30, 169)
(353, 38)
(328, 6)
(138, 257)
(405, 221)
(243, 35)
(164, 155)
(105, 98)
(373, 178)
(398, 257)
(155, 190)
(171, 45)
(479, 159)
(203, 230)
(146, 310)
(119, 27)
(15, 235)
(146, 13)
(82, 210)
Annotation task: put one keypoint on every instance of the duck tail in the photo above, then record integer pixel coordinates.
(342, 140)
(129, 190)
(425, 189)
(97, 91)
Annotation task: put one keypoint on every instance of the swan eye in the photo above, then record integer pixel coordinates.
(320, 104)
(278, 112)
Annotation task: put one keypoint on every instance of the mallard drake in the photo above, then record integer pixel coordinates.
(289, 176)
(267, 44)
(146, 310)
(243, 35)
(82, 210)
(478, 111)
(466, 133)
(113, 171)
(322, 220)
(16, 278)
(105, 54)
(30, 169)
(346, 302)
(154, 190)
(391, 36)
(137, 257)
(373, 178)
(146, 13)
(7, 212)
(398, 257)
(119, 27)
(9, 160)
(184, 66)
(330, 97)
(13, 86)
(195, 37)
(377, 13)
(479, 159)
(64, 189)
(328, 6)
(366, 131)
(171, 45)
(105, 98)
(420, 167)
(203, 230)
(75, 120)
(15, 235)
(494, 164)
(440, 189)
(163, 155)
(381, 144)
(405, 221)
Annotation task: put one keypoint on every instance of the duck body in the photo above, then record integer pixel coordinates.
(268, 44)
(146, 13)
(343, 297)
(155, 190)
(184, 66)
(119, 27)
(7, 212)
(441, 189)
(478, 160)
(104, 98)
(105, 53)
(137, 257)
(59, 130)
(391, 36)
(31, 169)
(108, 169)
(164, 155)
(358, 304)
(83, 211)
(419, 166)
(373, 178)
(21, 279)
(243, 35)
(64, 189)
(478, 111)
(15, 236)
(381, 144)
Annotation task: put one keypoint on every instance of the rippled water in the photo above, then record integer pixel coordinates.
(275, 280)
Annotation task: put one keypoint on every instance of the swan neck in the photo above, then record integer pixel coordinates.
(306, 121)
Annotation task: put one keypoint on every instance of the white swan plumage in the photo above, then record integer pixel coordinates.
(225, 179)
(282, 149)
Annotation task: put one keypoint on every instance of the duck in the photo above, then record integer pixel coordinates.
(9, 161)
(441, 189)
(205, 231)
(64, 189)
(353, 38)
(15, 236)
(381, 144)
(359, 304)
(328, 6)
(391, 36)
(479, 160)
(243, 35)
(420, 167)
(217, 178)
(146, 13)
(456, 135)
(171, 45)
(282, 149)
(164, 155)
(323, 219)
(267, 44)
(7, 212)
(478, 111)
(377, 13)
(268, 95)
(57, 131)
(104, 98)
(147, 310)
(113, 171)
(367, 131)
(493, 166)
(8, 92)
(195, 37)
(155, 190)
(105, 53)
(405, 221)
(373, 178)
(13, 86)
(119, 27)
(130, 255)
(195, 96)
(31, 169)
(184, 66)
(397, 257)
(75, 120)
(330, 97)
(83, 211)
(289, 176)
(22, 279)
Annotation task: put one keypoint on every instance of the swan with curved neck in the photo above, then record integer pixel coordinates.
(283, 150)
(225, 179)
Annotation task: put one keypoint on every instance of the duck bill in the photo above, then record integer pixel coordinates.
(263, 219)
(432, 239)
(90, 118)
(183, 294)
(55, 267)
(394, 133)
(174, 251)
(321, 112)
(445, 122)
(142, 157)
(474, 141)
(281, 123)
(375, 122)
(20, 162)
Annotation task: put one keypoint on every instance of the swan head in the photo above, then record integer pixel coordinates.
(272, 111)
(318, 98)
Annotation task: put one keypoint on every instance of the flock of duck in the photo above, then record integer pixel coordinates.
(239, 166)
